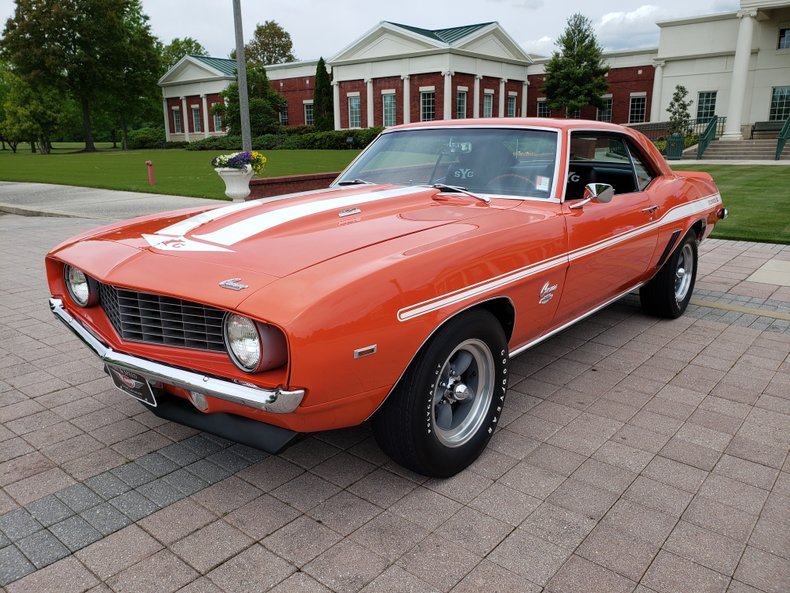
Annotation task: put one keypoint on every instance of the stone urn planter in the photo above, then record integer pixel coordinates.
(237, 181)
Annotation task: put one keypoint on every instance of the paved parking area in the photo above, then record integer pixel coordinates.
(633, 455)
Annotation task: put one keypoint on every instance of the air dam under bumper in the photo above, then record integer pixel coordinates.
(278, 401)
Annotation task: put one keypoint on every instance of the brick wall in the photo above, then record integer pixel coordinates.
(434, 79)
(277, 186)
(353, 86)
(295, 91)
(382, 84)
(622, 82)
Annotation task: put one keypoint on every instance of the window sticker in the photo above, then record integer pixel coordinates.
(542, 183)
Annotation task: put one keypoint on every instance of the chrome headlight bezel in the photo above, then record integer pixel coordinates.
(83, 290)
(269, 341)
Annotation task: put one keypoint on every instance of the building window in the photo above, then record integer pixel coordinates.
(176, 121)
(284, 114)
(196, 123)
(575, 113)
(354, 113)
(706, 105)
(309, 120)
(511, 106)
(488, 105)
(636, 111)
(543, 108)
(780, 103)
(460, 104)
(390, 114)
(427, 106)
(605, 111)
(217, 122)
(784, 39)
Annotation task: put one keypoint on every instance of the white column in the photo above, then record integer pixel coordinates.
(205, 116)
(448, 95)
(336, 103)
(406, 99)
(658, 83)
(524, 89)
(476, 98)
(740, 72)
(369, 83)
(185, 118)
(167, 119)
(502, 82)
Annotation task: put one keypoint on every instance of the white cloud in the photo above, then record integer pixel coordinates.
(630, 30)
(539, 47)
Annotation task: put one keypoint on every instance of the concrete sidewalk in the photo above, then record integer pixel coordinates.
(44, 199)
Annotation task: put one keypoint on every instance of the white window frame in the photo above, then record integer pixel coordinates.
(389, 113)
(305, 104)
(512, 104)
(461, 97)
(197, 121)
(542, 104)
(712, 105)
(636, 97)
(488, 103)
(598, 110)
(177, 123)
(283, 115)
(354, 110)
(217, 122)
(427, 104)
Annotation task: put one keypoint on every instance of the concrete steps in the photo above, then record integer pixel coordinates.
(760, 149)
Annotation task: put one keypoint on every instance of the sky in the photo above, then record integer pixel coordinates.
(324, 28)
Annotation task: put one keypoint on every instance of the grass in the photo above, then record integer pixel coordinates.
(177, 172)
(757, 197)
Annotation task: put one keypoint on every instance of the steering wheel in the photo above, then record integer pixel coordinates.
(510, 180)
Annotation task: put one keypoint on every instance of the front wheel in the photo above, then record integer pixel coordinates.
(445, 408)
(668, 293)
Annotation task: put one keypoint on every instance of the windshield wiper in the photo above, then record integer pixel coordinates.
(443, 187)
(354, 182)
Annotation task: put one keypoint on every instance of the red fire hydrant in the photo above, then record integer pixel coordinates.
(150, 172)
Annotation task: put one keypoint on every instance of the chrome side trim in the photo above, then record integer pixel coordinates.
(565, 326)
(278, 401)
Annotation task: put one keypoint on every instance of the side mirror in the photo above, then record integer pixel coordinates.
(600, 192)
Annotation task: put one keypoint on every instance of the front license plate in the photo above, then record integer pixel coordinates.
(132, 384)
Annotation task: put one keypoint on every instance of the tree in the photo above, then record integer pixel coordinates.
(77, 47)
(177, 49)
(265, 104)
(575, 73)
(270, 44)
(323, 108)
(679, 117)
(30, 114)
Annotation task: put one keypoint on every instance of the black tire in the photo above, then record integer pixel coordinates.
(668, 293)
(430, 424)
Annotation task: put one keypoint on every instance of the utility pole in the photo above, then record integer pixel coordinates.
(241, 69)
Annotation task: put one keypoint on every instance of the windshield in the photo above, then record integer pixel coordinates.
(497, 161)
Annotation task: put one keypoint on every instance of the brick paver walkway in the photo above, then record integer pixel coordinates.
(633, 455)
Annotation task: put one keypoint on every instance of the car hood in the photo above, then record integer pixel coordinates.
(261, 240)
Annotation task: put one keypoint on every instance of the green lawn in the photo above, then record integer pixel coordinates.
(177, 172)
(758, 198)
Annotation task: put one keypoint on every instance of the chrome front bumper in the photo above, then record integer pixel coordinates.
(279, 400)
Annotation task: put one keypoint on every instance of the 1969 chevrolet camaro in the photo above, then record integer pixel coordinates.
(398, 294)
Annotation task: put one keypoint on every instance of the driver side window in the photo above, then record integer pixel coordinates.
(603, 158)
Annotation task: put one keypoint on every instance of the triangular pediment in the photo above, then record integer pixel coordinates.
(189, 69)
(494, 42)
(385, 41)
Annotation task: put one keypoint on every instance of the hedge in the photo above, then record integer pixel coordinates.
(301, 139)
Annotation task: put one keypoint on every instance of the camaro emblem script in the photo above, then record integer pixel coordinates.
(547, 293)
(233, 284)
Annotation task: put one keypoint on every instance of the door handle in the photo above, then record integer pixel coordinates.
(650, 210)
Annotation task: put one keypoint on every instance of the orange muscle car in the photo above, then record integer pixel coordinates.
(398, 294)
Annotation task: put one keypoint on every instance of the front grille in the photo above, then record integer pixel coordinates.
(155, 319)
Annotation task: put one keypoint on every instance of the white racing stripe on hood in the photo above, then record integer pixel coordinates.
(180, 229)
(245, 229)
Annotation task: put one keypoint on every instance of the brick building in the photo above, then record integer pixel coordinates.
(398, 73)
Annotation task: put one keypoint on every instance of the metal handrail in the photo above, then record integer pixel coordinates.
(707, 136)
(784, 135)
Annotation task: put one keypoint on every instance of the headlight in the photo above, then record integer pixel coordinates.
(254, 346)
(83, 290)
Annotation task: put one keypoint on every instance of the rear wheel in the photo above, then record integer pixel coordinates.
(445, 408)
(669, 292)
